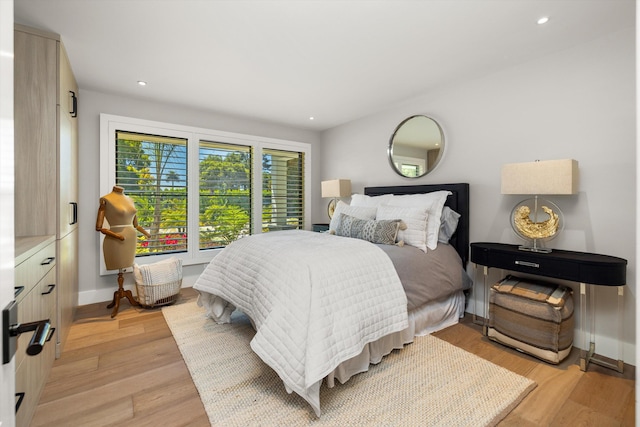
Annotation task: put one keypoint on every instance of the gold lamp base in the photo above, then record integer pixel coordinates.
(536, 221)
(331, 208)
(535, 248)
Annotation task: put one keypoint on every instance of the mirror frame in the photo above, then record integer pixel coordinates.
(391, 143)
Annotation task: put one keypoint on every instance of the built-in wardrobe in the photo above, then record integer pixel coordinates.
(46, 194)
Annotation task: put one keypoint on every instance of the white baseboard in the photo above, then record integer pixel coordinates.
(106, 295)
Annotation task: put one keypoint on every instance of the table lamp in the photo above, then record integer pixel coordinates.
(537, 220)
(335, 188)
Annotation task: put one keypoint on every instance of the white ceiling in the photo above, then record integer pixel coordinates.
(284, 61)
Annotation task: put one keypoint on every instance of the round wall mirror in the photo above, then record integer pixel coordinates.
(416, 146)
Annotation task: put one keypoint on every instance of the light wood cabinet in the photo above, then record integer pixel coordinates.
(35, 133)
(35, 276)
(46, 193)
(67, 200)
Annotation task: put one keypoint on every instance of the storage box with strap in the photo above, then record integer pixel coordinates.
(532, 316)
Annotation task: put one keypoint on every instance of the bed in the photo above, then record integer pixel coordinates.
(326, 305)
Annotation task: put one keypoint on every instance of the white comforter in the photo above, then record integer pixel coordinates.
(315, 300)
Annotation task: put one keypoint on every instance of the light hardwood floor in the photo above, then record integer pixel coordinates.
(128, 371)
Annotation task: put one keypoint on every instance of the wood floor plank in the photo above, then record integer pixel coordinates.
(144, 315)
(110, 378)
(603, 393)
(515, 421)
(164, 394)
(123, 342)
(575, 414)
(103, 413)
(64, 371)
(189, 413)
(628, 418)
(554, 387)
(155, 353)
(85, 392)
(93, 326)
(100, 337)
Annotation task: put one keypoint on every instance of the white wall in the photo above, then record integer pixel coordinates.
(96, 288)
(579, 103)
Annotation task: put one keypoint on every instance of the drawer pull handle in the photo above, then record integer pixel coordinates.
(17, 290)
(52, 286)
(20, 397)
(74, 213)
(74, 104)
(528, 264)
(48, 261)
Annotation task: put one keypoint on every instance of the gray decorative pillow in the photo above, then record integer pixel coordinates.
(448, 224)
(381, 231)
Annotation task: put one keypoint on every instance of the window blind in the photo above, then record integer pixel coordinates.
(153, 171)
(282, 190)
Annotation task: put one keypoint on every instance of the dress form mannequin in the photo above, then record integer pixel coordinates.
(119, 246)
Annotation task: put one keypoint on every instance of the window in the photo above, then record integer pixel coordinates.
(225, 193)
(153, 171)
(282, 190)
(197, 190)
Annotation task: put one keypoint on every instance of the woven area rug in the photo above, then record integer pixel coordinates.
(428, 383)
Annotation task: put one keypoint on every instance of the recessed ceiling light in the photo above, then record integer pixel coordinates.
(543, 20)
(312, 118)
(142, 83)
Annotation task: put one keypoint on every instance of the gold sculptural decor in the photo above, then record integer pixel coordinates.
(536, 220)
(536, 230)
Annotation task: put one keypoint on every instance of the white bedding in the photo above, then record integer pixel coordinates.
(315, 300)
(429, 318)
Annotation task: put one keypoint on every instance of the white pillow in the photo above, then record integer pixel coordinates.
(364, 200)
(414, 218)
(433, 202)
(360, 212)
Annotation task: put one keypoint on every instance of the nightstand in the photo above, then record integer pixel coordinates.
(320, 227)
(588, 269)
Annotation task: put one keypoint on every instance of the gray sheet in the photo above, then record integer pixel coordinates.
(428, 276)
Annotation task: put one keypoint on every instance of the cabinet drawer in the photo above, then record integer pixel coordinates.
(29, 380)
(30, 271)
(38, 304)
(534, 264)
(26, 376)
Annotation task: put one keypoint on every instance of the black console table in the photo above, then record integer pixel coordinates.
(588, 269)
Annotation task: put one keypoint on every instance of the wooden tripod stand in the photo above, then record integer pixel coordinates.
(121, 293)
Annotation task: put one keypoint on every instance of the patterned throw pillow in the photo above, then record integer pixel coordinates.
(383, 232)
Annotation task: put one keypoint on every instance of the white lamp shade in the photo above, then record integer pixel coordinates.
(540, 177)
(336, 188)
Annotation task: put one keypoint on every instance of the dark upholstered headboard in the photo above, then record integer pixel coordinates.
(458, 201)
